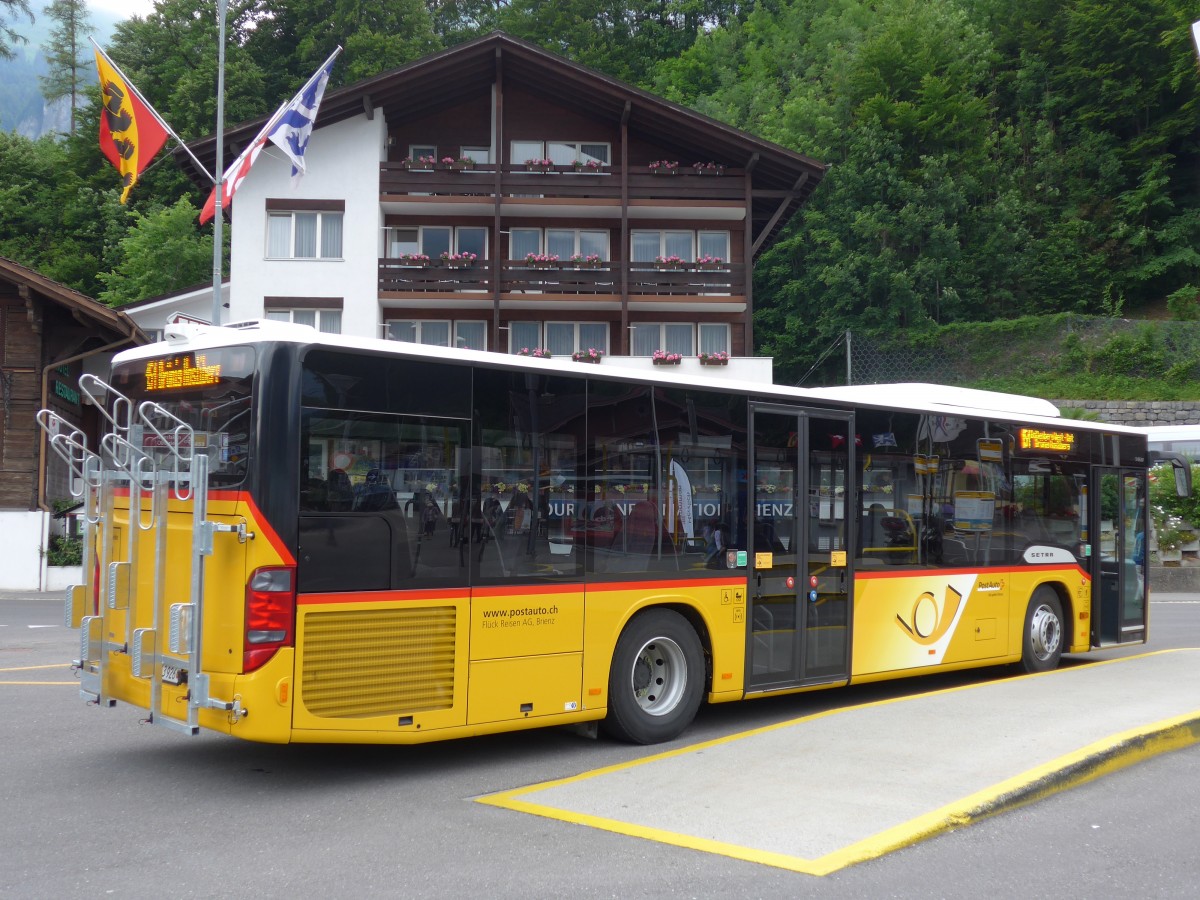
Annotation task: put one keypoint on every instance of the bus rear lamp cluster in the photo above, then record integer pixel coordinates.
(270, 614)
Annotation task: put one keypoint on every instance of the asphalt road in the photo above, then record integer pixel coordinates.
(94, 803)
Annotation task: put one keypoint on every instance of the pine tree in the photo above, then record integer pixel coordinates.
(66, 53)
(7, 35)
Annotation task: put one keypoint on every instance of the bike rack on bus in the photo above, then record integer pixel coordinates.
(126, 458)
(188, 478)
(88, 481)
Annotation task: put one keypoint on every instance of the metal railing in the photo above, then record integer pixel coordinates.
(520, 277)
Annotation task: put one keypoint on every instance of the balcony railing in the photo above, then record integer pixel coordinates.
(518, 181)
(520, 277)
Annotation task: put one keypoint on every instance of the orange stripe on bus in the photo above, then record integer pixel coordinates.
(690, 583)
(515, 590)
(525, 589)
(384, 596)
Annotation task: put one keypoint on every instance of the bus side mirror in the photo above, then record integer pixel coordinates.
(1182, 469)
(1183, 479)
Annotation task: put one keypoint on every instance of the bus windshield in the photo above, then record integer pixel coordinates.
(210, 391)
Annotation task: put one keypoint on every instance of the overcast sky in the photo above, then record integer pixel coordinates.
(123, 8)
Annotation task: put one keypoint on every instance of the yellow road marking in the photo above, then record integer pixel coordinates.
(31, 668)
(2, 681)
(1081, 766)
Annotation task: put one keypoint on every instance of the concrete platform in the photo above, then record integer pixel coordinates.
(822, 792)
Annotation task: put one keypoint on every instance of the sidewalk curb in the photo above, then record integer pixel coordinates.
(1094, 761)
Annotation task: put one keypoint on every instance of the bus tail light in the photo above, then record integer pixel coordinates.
(270, 614)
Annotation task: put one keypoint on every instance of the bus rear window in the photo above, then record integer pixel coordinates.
(209, 390)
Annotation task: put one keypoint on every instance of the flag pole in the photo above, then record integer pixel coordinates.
(218, 221)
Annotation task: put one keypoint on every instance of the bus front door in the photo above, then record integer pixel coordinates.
(1119, 568)
(798, 555)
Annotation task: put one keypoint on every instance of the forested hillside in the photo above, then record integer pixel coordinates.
(989, 159)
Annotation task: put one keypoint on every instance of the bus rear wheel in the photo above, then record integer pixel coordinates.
(657, 678)
(1044, 632)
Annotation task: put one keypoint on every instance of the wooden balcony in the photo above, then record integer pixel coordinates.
(398, 181)
(517, 277)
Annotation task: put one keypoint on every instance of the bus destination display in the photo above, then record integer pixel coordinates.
(1050, 441)
(188, 370)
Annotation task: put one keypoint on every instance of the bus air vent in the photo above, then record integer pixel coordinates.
(360, 663)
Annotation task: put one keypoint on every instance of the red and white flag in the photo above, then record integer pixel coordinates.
(289, 128)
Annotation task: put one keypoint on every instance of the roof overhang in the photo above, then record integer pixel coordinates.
(782, 179)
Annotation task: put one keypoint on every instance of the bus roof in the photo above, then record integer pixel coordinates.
(1173, 432)
(934, 399)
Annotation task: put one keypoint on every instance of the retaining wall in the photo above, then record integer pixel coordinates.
(1141, 413)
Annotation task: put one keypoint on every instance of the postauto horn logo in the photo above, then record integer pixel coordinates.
(931, 618)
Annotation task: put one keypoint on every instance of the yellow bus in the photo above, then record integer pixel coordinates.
(300, 537)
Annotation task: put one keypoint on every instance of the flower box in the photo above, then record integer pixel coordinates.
(541, 264)
(669, 265)
(719, 358)
(714, 362)
(709, 169)
(459, 263)
(462, 164)
(663, 170)
(710, 266)
(588, 356)
(667, 362)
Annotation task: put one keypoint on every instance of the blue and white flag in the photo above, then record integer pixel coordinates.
(289, 128)
(294, 127)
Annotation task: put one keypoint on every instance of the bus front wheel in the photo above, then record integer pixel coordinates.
(1044, 632)
(657, 678)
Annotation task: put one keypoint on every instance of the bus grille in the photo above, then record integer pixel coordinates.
(378, 662)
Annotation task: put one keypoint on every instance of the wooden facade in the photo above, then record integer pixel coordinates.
(494, 101)
(47, 333)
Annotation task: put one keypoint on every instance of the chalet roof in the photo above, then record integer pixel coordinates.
(454, 75)
(83, 307)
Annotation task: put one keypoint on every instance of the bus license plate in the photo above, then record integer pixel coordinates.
(173, 675)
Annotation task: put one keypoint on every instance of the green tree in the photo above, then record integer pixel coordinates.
(66, 53)
(376, 35)
(623, 39)
(164, 251)
(9, 36)
(171, 55)
(455, 21)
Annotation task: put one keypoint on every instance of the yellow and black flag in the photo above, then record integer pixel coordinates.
(131, 132)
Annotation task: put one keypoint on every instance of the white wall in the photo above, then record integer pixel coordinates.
(151, 317)
(22, 536)
(342, 163)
